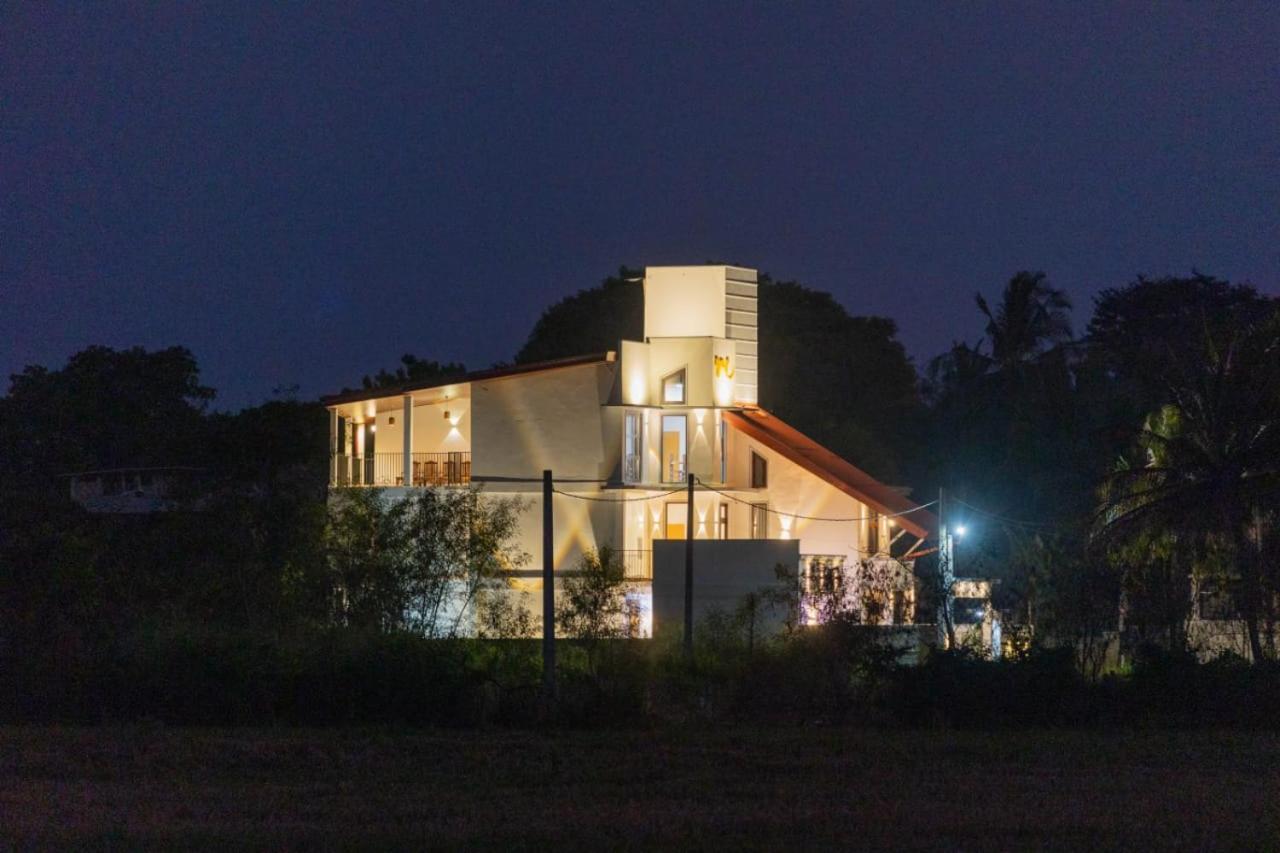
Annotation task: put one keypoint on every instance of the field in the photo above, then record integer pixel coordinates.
(154, 787)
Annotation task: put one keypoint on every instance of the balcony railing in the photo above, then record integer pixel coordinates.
(637, 565)
(387, 469)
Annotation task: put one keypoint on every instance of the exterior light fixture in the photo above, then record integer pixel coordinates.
(961, 529)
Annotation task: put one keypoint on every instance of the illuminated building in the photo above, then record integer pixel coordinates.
(621, 431)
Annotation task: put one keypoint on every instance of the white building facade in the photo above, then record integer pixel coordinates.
(621, 431)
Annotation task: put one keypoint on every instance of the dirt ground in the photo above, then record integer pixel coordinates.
(126, 788)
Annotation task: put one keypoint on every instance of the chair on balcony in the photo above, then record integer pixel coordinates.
(429, 473)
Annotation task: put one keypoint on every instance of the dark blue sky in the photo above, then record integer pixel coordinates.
(300, 195)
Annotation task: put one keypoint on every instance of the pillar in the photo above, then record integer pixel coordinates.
(408, 439)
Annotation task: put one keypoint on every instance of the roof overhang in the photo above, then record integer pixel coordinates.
(825, 464)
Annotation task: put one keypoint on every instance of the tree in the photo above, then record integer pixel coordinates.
(1209, 466)
(1030, 319)
(106, 408)
(420, 564)
(592, 601)
(591, 320)
(414, 369)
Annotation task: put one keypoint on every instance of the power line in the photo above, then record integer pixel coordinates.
(768, 509)
(582, 497)
(1046, 525)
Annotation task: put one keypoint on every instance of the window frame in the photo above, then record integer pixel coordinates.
(662, 450)
(636, 416)
(763, 482)
(683, 373)
(759, 520)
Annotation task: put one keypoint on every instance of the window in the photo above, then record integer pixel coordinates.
(759, 471)
(676, 516)
(674, 444)
(724, 451)
(873, 533)
(821, 574)
(673, 387)
(632, 448)
(759, 521)
(722, 522)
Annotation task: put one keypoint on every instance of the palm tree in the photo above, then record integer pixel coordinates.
(1030, 319)
(1211, 475)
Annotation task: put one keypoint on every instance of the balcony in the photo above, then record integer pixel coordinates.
(387, 469)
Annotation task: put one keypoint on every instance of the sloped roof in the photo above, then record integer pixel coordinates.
(474, 376)
(826, 465)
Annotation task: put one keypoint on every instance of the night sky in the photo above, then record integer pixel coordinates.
(300, 195)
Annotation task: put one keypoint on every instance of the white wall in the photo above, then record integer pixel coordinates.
(684, 302)
(553, 419)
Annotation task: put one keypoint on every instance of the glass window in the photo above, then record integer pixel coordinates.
(724, 451)
(759, 471)
(674, 444)
(759, 521)
(677, 515)
(673, 387)
(722, 522)
(873, 532)
(632, 449)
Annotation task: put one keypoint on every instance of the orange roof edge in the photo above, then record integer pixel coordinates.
(825, 464)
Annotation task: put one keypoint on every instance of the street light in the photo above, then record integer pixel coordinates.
(961, 529)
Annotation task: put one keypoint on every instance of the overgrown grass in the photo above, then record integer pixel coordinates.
(697, 787)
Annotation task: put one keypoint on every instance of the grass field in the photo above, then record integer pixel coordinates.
(127, 788)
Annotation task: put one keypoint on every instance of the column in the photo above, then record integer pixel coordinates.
(408, 439)
(333, 447)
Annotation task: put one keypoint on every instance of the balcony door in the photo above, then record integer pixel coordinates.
(675, 444)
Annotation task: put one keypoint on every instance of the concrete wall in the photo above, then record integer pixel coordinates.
(723, 573)
(554, 419)
(684, 302)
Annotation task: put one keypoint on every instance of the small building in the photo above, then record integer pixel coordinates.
(131, 491)
(622, 430)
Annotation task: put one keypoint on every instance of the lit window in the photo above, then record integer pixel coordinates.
(673, 388)
(873, 533)
(759, 521)
(632, 448)
(674, 444)
(759, 471)
(677, 516)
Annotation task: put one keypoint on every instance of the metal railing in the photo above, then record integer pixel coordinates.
(637, 565)
(387, 469)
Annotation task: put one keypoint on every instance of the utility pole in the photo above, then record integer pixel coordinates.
(946, 577)
(548, 596)
(688, 571)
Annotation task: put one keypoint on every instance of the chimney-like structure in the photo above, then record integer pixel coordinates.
(709, 302)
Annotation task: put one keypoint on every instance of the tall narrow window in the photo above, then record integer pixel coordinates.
(759, 521)
(759, 471)
(724, 451)
(722, 522)
(674, 447)
(677, 516)
(673, 387)
(632, 448)
(873, 533)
